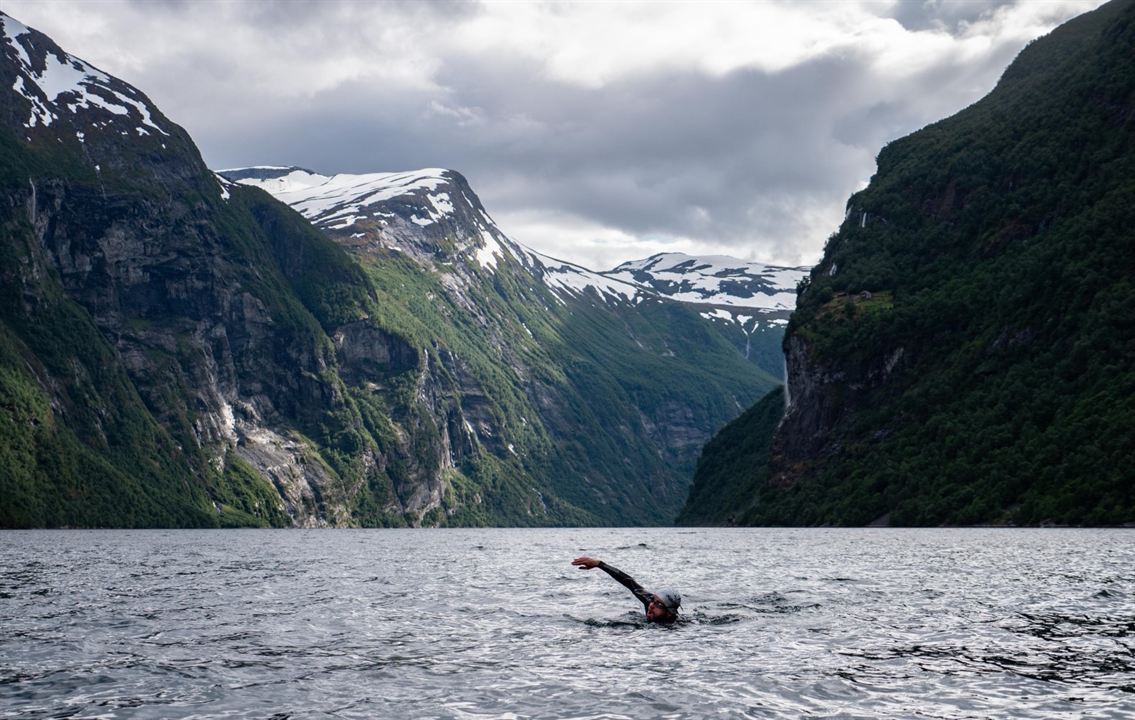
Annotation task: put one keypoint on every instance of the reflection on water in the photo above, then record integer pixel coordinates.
(867, 623)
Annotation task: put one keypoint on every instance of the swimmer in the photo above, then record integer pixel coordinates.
(661, 606)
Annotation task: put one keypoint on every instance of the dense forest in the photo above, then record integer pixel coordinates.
(964, 353)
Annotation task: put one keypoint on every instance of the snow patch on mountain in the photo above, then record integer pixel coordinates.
(338, 201)
(222, 181)
(715, 280)
(748, 296)
(573, 280)
(68, 84)
(488, 255)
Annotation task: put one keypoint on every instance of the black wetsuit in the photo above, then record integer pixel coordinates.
(644, 596)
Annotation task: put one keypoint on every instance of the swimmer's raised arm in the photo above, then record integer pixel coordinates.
(587, 563)
(661, 608)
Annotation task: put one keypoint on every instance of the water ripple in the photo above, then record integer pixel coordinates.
(869, 623)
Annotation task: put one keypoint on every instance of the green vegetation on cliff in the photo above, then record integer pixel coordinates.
(604, 405)
(734, 466)
(965, 351)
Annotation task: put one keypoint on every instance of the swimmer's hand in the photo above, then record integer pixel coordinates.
(585, 563)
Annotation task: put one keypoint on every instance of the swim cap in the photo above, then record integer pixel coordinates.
(670, 598)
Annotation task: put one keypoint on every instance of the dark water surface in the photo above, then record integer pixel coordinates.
(496, 623)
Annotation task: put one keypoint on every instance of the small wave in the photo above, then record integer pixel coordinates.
(1055, 626)
(639, 622)
(1058, 664)
(778, 609)
(772, 603)
(701, 618)
(594, 622)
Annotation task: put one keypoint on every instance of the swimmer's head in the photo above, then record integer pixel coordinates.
(664, 606)
(670, 598)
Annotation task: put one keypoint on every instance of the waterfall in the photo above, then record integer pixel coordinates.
(787, 396)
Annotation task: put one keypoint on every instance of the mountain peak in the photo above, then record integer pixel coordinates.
(717, 280)
(341, 201)
(57, 85)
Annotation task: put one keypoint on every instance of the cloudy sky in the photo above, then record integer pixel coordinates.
(596, 132)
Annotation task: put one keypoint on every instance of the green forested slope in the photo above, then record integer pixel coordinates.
(965, 351)
(596, 405)
(79, 445)
(734, 465)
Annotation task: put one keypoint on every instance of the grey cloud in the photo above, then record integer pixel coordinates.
(760, 162)
(281, 13)
(743, 160)
(951, 16)
(753, 150)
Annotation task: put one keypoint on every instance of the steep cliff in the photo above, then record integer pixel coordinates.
(165, 354)
(964, 352)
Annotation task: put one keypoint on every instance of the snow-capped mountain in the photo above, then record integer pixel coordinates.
(431, 213)
(412, 211)
(576, 340)
(715, 280)
(360, 202)
(750, 295)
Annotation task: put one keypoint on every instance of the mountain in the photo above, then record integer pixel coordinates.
(749, 301)
(178, 349)
(615, 379)
(964, 353)
(164, 359)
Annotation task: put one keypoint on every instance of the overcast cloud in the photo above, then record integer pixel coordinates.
(595, 132)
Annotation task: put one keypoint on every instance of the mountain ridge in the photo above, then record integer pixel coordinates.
(748, 302)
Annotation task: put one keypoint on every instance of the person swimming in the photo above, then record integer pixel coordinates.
(661, 606)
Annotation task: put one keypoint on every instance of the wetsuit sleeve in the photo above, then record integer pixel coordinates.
(628, 582)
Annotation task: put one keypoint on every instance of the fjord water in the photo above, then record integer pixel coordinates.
(865, 623)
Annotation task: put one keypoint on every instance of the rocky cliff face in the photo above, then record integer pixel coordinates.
(239, 327)
(113, 216)
(819, 396)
